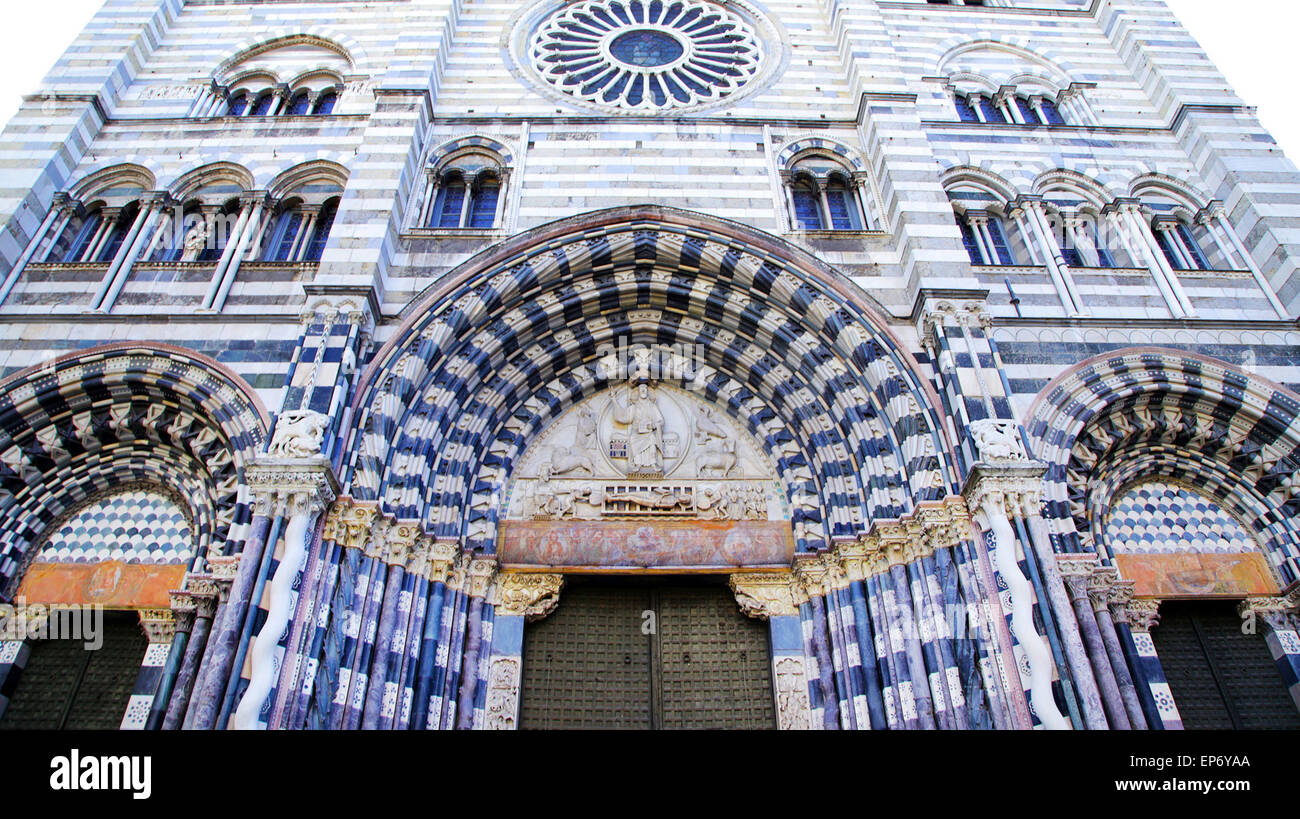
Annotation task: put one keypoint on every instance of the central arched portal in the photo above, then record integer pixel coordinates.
(643, 495)
(651, 394)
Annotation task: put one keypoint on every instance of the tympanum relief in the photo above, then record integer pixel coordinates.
(645, 450)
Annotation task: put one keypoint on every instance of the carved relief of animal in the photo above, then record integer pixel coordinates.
(716, 458)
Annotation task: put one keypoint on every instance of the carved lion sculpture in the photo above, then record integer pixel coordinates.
(998, 441)
(298, 434)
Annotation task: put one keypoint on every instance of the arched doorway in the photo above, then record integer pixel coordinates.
(645, 653)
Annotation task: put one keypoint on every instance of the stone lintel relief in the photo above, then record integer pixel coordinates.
(645, 475)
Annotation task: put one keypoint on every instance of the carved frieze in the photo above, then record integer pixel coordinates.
(645, 450)
(528, 594)
(764, 594)
(501, 711)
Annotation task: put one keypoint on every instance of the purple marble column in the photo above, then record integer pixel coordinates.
(821, 646)
(1100, 596)
(469, 666)
(383, 640)
(1076, 583)
(205, 704)
(185, 678)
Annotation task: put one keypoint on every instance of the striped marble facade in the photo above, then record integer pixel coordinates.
(964, 447)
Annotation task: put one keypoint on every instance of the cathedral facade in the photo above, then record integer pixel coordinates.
(493, 364)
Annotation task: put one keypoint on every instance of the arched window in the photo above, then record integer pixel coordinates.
(321, 232)
(468, 186)
(1179, 244)
(237, 105)
(823, 194)
(325, 103)
(262, 105)
(76, 238)
(483, 204)
(299, 104)
(449, 204)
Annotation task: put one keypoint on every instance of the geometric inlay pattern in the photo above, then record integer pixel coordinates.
(136, 526)
(1163, 517)
(646, 56)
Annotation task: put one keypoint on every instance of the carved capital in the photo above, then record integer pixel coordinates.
(1144, 615)
(764, 594)
(1014, 490)
(354, 523)
(441, 559)
(159, 625)
(1276, 612)
(399, 545)
(183, 608)
(527, 594)
(479, 575)
(291, 486)
(1101, 584)
(223, 569)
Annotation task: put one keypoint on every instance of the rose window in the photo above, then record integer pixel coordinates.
(646, 56)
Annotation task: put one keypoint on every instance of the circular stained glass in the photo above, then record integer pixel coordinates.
(646, 56)
(646, 49)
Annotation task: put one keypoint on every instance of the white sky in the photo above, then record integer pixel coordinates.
(1245, 38)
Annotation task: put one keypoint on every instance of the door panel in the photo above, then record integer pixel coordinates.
(1220, 678)
(591, 664)
(588, 664)
(64, 685)
(714, 667)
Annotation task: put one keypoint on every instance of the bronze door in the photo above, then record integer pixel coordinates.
(642, 656)
(65, 685)
(1220, 677)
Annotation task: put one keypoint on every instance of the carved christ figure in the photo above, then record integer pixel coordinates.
(645, 423)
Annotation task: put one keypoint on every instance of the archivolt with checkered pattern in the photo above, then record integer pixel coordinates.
(116, 415)
(1152, 412)
(507, 342)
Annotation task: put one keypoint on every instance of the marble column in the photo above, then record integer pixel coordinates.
(1105, 587)
(994, 492)
(1076, 569)
(770, 596)
(519, 598)
(305, 486)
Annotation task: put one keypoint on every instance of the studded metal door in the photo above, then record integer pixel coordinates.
(1220, 677)
(65, 685)
(642, 656)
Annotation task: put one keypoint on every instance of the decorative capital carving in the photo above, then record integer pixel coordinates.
(1015, 490)
(400, 540)
(764, 594)
(1277, 612)
(291, 486)
(159, 625)
(1144, 615)
(1101, 586)
(481, 571)
(441, 556)
(184, 606)
(527, 594)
